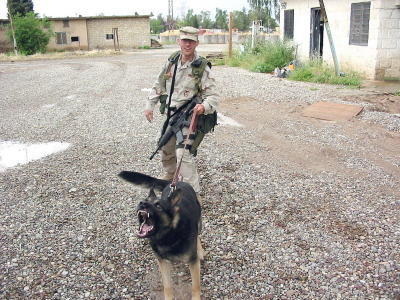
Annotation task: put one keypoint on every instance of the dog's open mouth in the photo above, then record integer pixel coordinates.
(146, 223)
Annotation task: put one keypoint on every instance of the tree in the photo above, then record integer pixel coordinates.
(157, 25)
(241, 19)
(21, 7)
(262, 7)
(31, 33)
(221, 19)
(205, 19)
(190, 19)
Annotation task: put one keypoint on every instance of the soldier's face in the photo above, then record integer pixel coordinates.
(187, 46)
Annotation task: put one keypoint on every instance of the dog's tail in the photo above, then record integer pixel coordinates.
(144, 180)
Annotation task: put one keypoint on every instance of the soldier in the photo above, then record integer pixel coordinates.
(192, 77)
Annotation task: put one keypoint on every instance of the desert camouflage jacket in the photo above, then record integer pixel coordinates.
(185, 87)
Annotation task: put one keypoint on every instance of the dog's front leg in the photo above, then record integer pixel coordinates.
(195, 273)
(165, 269)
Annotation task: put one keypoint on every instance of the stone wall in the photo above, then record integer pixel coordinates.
(133, 32)
(220, 38)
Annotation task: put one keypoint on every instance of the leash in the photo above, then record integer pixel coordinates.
(192, 129)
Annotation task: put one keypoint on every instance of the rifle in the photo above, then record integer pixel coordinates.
(175, 125)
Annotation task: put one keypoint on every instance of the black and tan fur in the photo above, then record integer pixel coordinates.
(171, 223)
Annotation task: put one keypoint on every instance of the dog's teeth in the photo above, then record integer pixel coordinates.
(148, 215)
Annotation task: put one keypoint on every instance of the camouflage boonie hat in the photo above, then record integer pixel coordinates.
(189, 33)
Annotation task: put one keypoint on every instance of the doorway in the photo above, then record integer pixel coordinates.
(316, 33)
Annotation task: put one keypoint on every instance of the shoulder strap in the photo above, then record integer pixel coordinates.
(198, 67)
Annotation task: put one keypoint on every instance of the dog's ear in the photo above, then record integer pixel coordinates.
(152, 196)
(176, 197)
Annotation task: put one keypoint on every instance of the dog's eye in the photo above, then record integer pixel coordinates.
(157, 205)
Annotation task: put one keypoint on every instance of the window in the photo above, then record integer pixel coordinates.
(66, 23)
(289, 24)
(74, 38)
(61, 38)
(359, 23)
(109, 36)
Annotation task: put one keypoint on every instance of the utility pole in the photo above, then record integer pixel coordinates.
(170, 18)
(12, 28)
(329, 33)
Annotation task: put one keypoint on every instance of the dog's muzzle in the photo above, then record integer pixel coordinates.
(146, 226)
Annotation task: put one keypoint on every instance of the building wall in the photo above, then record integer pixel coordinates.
(132, 32)
(5, 44)
(388, 48)
(76, 28)
(364, 59)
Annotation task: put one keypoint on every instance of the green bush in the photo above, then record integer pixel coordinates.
(319, 72)
(264, 57)
(31, 33)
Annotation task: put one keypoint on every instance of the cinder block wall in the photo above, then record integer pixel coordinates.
(388, 56)
(133, 32)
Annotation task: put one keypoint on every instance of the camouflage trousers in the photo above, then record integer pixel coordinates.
(171, 154)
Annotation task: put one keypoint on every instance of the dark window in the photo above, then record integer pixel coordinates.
(359, 23)
(109, 36)
(289, 24)
(66, 23)
(61, 38)
(74, 38)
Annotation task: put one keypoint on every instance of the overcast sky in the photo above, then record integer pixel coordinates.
(74, 8)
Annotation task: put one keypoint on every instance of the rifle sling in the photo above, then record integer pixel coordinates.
(170, 97)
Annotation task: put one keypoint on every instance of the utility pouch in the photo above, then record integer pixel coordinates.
(163, 103)
(205, 124)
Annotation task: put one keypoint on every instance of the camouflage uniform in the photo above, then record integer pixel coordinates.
(184, 89)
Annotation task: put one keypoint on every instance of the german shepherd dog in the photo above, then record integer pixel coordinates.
(171, 223)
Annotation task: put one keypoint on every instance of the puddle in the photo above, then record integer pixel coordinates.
(13, 153)
(224, 120)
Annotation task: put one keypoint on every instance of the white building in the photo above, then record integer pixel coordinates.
(366, 34)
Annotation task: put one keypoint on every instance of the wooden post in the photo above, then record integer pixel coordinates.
(329, 33)
(230, 34)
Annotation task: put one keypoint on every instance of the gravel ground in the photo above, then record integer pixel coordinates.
(294, 208)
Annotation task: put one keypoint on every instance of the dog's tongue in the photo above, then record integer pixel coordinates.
(144, 229)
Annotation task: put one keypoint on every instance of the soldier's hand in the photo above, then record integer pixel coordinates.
(149, 115)
(199, 109)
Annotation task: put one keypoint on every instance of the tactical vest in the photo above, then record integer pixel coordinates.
(198, 67)
(205, 123)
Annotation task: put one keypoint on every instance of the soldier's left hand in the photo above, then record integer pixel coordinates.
(199, 109)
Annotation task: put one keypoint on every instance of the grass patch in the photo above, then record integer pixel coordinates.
(144, 47)
(397, 93)
(319, 72)
(264, 57)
